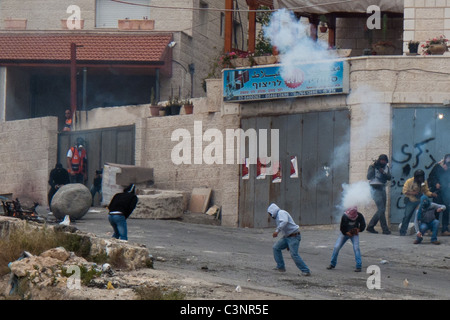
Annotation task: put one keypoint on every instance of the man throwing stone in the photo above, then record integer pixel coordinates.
(290, 240)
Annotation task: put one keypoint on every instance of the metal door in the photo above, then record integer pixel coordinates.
(419, 141)
(114, 145)
(319, 143)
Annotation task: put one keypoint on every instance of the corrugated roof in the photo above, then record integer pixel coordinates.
(95, 47)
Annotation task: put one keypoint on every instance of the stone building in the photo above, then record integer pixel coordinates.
(393, 104)
(123, 51)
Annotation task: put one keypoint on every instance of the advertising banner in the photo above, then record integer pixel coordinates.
(280, 81)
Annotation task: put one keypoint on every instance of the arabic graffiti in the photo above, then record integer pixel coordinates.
(422, 154)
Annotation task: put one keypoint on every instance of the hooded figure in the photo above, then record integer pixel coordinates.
(285, 223)
(120, 208)
(378, 175)
(352, 223)
(413, 189)
(290, 240)
(439, 182)
(426, 219)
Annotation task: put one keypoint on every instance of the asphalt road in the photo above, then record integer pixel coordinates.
(243, 257)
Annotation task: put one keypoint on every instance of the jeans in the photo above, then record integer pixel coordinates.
(379, 196)
(119, 224)
(340, 243)
(433, 226)
(293, 244)
(409, 211)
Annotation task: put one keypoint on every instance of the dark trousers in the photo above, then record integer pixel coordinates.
(379, 196)
(51, 193)
(77, 178)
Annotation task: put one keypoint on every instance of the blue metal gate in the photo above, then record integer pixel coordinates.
(419, 141)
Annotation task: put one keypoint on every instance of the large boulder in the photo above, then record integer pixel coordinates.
(73, 200)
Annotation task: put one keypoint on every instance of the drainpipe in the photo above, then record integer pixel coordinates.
(157, 90)
(73, 78)
(85, 92)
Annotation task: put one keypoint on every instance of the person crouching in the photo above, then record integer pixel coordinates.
(352, 223)
(120, 208)
(426, 219)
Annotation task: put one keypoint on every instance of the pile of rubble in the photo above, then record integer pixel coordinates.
(57, 272)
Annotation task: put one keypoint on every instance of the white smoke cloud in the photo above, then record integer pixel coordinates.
(356, 194)
(373, 122)
(290, 36)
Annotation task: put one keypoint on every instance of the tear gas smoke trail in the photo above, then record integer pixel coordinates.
(355, 194)
(289, 35)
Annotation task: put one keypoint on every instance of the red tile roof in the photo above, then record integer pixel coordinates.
(96, 47)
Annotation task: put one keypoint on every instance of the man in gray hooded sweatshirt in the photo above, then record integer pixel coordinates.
(290, 240)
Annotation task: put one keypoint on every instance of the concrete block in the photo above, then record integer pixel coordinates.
(159, 204)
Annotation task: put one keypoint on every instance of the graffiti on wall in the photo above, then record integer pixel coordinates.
(408, 162)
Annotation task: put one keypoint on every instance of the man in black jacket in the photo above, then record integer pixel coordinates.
(58, 177)
(120, 208)
(352, 223)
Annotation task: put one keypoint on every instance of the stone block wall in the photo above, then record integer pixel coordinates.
(46, 15)
(223, 178)
(28, 151)
(425, 19)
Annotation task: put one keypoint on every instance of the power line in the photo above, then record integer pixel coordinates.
(228, 10)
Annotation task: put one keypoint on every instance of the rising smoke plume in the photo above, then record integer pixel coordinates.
(290, 36)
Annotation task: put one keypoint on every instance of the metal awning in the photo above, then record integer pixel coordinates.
(338, 6)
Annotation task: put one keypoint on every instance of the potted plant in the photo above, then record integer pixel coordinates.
(154, 108)
(436, 46)
(226, 58)
(173, 106)
(188, 106)
(413, 47)
(244, 59)
(384, 47)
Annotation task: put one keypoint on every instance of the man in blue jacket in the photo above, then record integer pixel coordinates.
(290, 240)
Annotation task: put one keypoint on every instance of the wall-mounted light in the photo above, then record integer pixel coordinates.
(172, 44)
(440, 116)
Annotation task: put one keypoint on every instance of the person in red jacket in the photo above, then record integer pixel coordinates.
(77, 162)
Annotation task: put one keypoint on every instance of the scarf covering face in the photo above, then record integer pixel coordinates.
(352, 213)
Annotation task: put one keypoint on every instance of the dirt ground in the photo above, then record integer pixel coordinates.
(191, 286)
